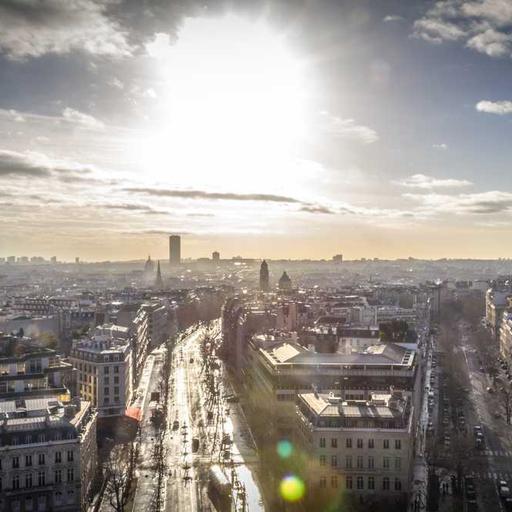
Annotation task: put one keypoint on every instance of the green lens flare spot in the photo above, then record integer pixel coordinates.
(284, 449)
(292, 488)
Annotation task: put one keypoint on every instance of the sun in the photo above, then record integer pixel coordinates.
(233, 108)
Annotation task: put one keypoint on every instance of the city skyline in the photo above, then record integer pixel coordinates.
(266, 129)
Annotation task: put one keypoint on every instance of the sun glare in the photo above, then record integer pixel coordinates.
(233, 110)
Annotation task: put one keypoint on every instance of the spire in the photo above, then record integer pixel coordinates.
(159, 283)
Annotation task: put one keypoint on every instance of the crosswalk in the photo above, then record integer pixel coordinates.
(491, 475)
(497, 453)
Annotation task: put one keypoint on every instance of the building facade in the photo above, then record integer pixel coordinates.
(104, 367)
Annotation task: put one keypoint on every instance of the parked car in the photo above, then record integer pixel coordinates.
(175, 425)
(503, 489)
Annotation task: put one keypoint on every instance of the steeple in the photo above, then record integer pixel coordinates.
(159, 283)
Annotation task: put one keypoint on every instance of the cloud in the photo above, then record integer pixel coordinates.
(428, 182)
(140, 208)
(32, 28)
(483, 25)
(495, 107)
(13, 163)
(392, 17)
(486, 203)
(37, 165)
(317, 209)
(223, 196)
(442, 146)
(85, 120)
(348, 129)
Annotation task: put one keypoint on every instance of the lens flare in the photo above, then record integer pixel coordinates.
(284, 448)
(292, 488)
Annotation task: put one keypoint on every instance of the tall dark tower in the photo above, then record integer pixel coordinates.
(264, 278)
(159, 284)
(174, 250)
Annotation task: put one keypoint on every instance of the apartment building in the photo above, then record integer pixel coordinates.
(31, 370)
(104, 367)
(360, 447)
(47, 454)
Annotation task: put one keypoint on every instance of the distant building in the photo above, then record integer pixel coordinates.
(264, 277)
(285, 283)
(159, 284)
(175, 250)
(77, 260)
(149, 266)
(215, 256)
(11, 259)
(337, 258)
(53, 259)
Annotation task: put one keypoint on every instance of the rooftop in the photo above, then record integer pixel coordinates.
(382, 354)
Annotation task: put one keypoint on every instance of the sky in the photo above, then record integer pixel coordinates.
(278, 129)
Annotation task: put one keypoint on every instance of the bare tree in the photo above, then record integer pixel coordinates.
(118, 475)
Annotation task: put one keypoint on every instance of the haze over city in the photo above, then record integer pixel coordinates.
(272, 129)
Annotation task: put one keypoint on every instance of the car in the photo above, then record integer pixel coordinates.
(503, 489)
(446, 421)
(477, 429)
(481, 368)
(175, 425)
(489, 389)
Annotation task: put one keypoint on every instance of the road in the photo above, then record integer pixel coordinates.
(192, 382)
(479, 407)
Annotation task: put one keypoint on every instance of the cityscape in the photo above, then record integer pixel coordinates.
(255, 256)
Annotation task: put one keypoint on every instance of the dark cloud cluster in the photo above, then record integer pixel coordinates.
(223, 196)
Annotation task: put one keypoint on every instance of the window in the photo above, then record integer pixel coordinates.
(398, 484)
(385, 484)
(116, 380)
(106, 381)
(58, 457)
(116, 390)
(371, 443)
(334, 461)
(71, 474)
(106, 400)
(371, 483)
(360, 482)
(359, 443)
(334, 481)
(15, 462)
(348, 462)
(28, 480)
(348, 442)
(385, 444)
(348, 482)
(106, 370)
(16, 482)
(58, 476)
(28, 460)
(322, 460)
(116, 369)
(41, 478)
(70, 455)
(385, 463)
(41, 459)
(334, 442)
(359, 462)
(323, 482)
(106, 391)
(398, 463)
(398, 444)
(322, 442)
